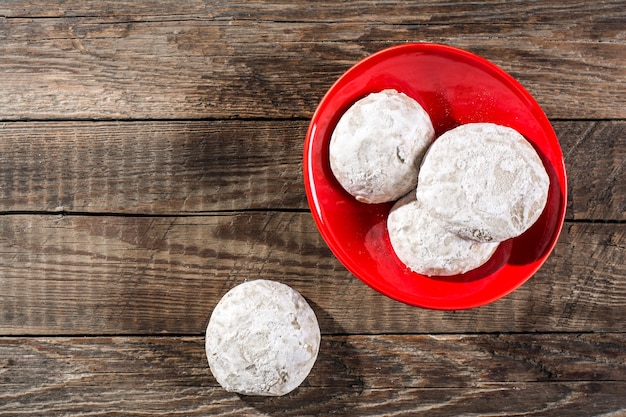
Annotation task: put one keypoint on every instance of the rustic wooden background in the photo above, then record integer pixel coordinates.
(150, 160)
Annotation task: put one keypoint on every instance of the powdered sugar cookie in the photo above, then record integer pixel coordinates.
(426, 247)
(485, 181)
(377, 146)
(262, 339)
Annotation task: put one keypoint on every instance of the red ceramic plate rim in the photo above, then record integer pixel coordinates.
(493, 281)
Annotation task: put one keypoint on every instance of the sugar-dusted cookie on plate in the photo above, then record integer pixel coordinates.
(426, 247)
(377, 146)
(484, 181)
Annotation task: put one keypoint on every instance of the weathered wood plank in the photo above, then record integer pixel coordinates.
(595, 192)
(354, 375)
(573, 399)
(395, 11)
(133, 67)
(147, 275)
(151, 167)
(437, 361)
(189, 167)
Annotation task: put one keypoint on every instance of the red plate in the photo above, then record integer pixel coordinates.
(455, 87)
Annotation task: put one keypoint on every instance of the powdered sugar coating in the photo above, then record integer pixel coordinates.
(426, 247)
(485, 181)
(262, 339)
(377, 146)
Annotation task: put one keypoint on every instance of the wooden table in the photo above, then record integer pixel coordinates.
(150, 160)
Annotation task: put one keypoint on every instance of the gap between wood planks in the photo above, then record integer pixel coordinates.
(230, 119)
(148, 215)
(191, 120)
(331, 335)
(67, 213)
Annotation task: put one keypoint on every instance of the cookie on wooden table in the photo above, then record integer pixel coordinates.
(262, 339)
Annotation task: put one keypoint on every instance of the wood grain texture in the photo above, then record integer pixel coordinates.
(595, 193)
(151, 275)
(546, 375)
(151, 167)
(437, 11)
(251, 61)
(151, 159)
(575, 399)
(162, 167)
